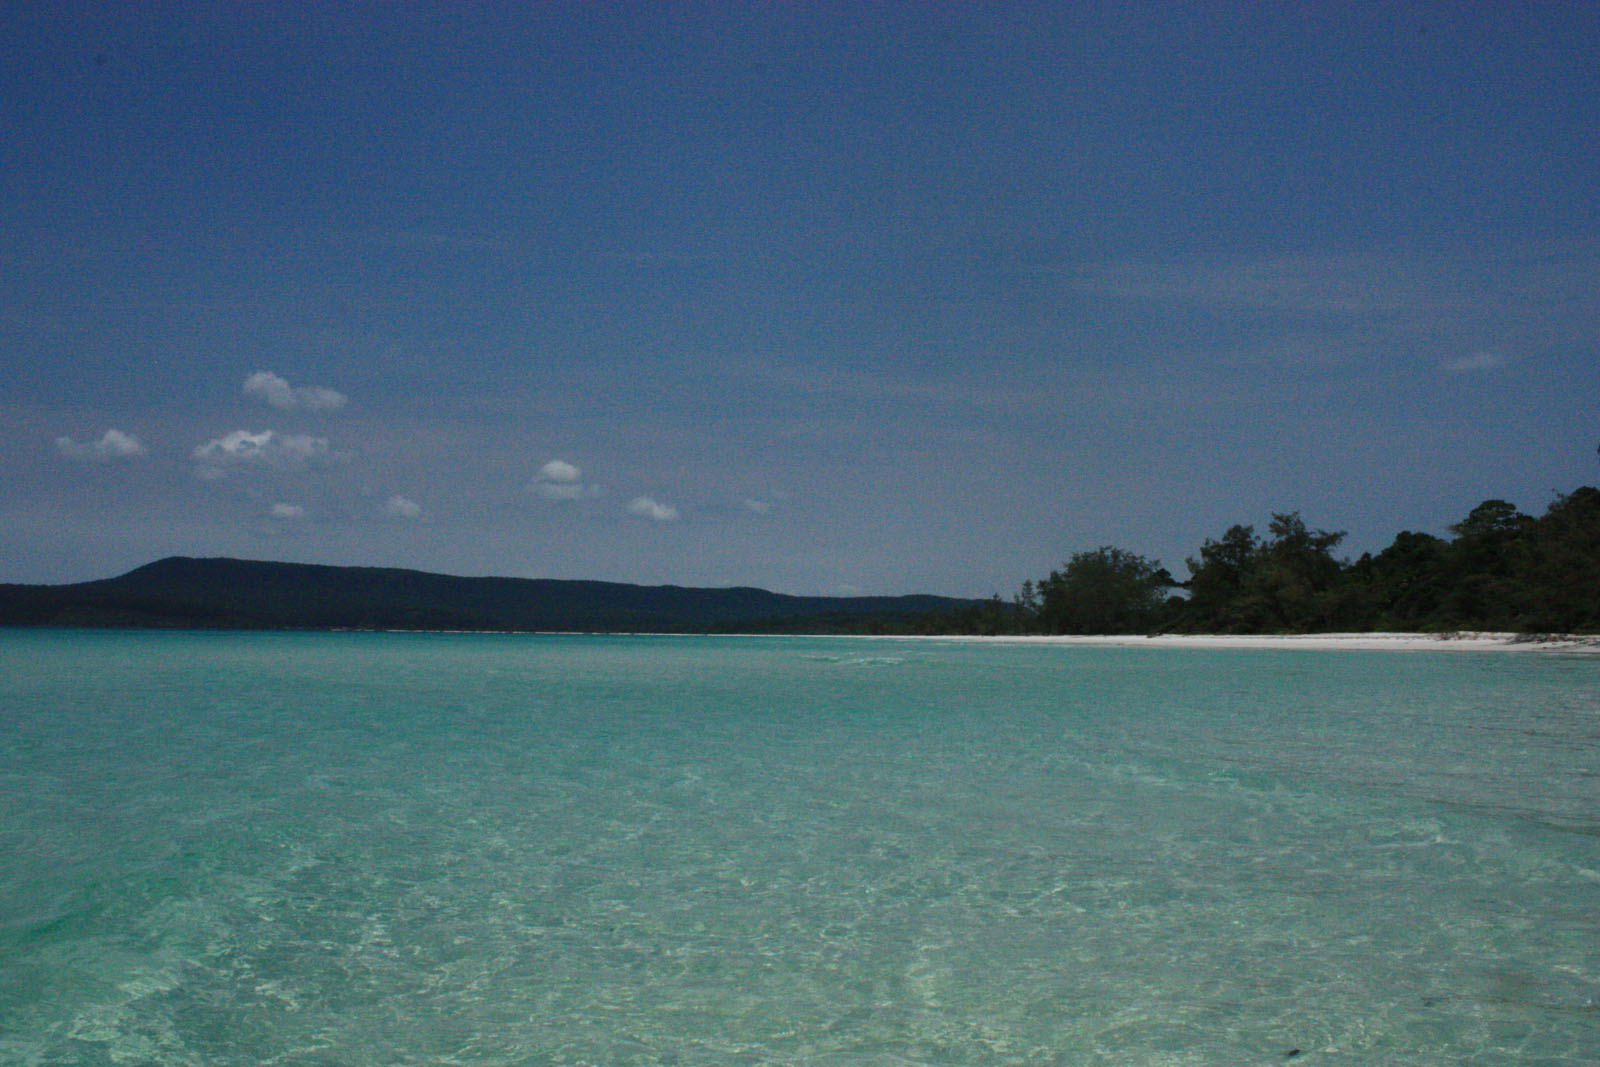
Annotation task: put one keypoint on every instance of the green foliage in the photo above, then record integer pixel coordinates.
(1242, 584)
(1107, 591)
(1217, 582)
(1502, 570)
(1401, 588)
(1492, 522)
(1481, 565)
(1557, 567)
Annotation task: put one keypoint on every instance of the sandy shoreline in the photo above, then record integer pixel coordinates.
(1391, 642)
(1465, 641)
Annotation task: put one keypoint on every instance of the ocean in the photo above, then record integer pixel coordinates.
(433, 849)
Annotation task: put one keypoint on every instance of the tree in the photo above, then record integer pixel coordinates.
(1288, 588)
(1106, 591)
(1025, 606)
(1481, 565)
(1241, 584)
(1217, 579)
(1491, 522)
(1558, 570)
(1400, 588)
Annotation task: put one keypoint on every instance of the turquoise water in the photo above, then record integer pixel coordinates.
(364, 849)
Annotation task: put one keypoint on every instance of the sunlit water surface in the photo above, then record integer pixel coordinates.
(362, 849)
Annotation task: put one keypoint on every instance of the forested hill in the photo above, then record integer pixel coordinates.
(247, 594)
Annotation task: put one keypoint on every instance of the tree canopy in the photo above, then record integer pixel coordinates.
(1500, 570)
(1106, 591)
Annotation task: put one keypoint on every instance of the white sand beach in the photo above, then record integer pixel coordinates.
(1467, 641)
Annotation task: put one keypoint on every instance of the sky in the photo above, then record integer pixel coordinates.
(821, 298)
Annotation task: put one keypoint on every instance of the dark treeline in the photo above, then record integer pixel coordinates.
(1500, 570)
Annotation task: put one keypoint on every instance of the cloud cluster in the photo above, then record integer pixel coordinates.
(241, 448)
(651, 508)
(113, 444)
(280, 394)
(270, 452)
(560, 480)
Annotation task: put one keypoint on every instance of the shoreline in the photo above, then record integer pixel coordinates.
(1466, 641)
(1461, 641)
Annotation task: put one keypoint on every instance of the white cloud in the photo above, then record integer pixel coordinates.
(652, 509)
(765, 504)
(402, 507)
(1481, 360)
(113, 444)
(559, 470)
(288, 511)
(241, 448)
(560, 480)
(280, 394)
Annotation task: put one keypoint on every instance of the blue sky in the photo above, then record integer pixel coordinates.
(820, 298)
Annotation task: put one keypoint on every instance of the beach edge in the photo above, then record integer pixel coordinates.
(1465, 641)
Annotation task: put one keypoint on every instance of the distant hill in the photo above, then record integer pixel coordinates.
(181, 592)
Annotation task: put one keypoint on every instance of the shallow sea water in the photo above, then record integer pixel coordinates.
(362, 849)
